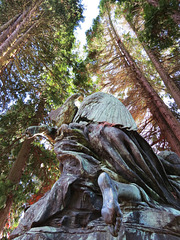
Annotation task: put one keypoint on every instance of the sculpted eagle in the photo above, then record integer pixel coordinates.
(99, 107)
(102, 107)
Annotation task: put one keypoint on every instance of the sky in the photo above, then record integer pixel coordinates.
(91, 11)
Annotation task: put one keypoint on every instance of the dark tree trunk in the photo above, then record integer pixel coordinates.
(168, 124)
(168, 81)
(19, 165)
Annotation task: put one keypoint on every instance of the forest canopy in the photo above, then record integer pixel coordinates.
(131, 51)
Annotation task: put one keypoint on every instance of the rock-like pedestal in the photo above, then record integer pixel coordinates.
(139, 223)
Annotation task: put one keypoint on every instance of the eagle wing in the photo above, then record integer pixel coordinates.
(103, 107)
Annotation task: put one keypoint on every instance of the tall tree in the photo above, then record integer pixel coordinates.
(16, 30)
(157, 107)
(135, 13)
(38, 75)
(15, 173)
(159, 29)
(31, 20)
(43, 50)
(168, 81)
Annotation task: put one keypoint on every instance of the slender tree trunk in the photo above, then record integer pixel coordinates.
(166, 121)
(14, 176)
(12, 27)
(4, 213)
(7, 24)
(168, 81)
(19, 165)
(16, 32)
(14, 48)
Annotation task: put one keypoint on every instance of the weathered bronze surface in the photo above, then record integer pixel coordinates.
(112, 185)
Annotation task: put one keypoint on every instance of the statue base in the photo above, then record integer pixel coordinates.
(140, 222)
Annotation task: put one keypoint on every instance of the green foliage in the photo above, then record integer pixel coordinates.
(45, 54)
(47, 67)
(113, 70)
(41, 171)
(160, 30)
(94, 31)
(42, 166)
(157, 29)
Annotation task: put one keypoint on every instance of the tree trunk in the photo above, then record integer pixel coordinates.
(7, 24)
(19, 165)
(166, 121)
(14, 48)
(12, 27)
(4, 213)
(168, 81)
(15, 33)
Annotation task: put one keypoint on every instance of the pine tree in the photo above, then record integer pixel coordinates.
(36, 77)
(152, 101)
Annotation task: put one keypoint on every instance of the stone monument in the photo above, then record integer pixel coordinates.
(112, 185)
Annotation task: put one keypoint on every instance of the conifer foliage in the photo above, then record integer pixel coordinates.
(135, 68)
(132, 49)
(38, 71)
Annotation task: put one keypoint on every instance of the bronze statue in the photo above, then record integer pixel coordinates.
(103, 157)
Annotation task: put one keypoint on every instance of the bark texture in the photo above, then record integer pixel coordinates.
(168, 81)
(166, 121)
(15, 32)
(19, 165)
